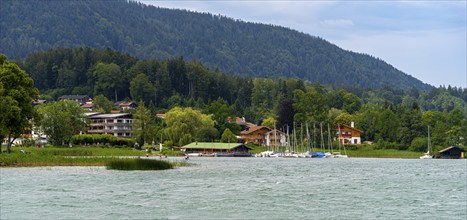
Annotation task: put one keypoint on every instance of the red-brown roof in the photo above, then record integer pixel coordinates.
(339, 125)
(254, 128)
(87, 105)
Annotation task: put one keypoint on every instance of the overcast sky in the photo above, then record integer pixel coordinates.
(425, 39)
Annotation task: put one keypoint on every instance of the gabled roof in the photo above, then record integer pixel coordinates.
(451, 148)
(87, 105)
(255, 128)
(274, 131)
(346, 126)
(221, 146)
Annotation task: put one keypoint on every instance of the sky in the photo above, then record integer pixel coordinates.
(425, 39)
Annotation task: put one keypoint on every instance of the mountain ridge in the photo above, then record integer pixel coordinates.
(235, 46)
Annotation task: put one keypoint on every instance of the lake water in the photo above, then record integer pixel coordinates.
(242, 188)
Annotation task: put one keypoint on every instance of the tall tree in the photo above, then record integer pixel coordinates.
(142, 89)
(16, 94)
(102, 104)
(143, 126)
(108, 79)
(61, 120)
(185, 125)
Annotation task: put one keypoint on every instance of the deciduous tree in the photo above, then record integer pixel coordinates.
(16, 94)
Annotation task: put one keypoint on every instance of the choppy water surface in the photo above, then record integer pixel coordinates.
(242, 188)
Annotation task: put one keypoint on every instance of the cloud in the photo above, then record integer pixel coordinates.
(426, 39)
(338, 23)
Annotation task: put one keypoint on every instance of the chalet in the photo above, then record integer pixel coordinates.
(124, 106)
(276, 138)
(115, 124)
(216, 149)
(87, 106)
(452, 153)
(348, 134)
(255, 134)
(81, 99)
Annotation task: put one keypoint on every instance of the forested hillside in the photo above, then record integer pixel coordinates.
(392, 117)
(233, 46)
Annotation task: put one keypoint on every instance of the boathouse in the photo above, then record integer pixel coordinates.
(452, 153)
(217, 149)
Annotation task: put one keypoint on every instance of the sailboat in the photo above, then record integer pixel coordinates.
(427, 155)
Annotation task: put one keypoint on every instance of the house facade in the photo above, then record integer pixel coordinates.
(348, 134)
(255, 134)
(119, 125)
(81, 99)
(276, 138)
(125, 106)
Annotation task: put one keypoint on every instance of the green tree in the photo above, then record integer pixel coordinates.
(228, 136)
(220, 111)
(102, 104)
(310, 106)
(16, 94)
(184, 125)
(141, 88)
(108, 78)
(144, 127)
(61, 120)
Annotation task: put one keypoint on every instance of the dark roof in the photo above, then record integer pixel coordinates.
(451, 148)
(73, 97)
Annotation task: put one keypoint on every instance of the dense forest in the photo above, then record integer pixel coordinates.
(236, 47)
(394, 118)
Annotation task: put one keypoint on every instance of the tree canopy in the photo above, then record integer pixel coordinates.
(16, 94)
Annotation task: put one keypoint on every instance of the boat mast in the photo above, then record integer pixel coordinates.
(322, 138)
(329, 140)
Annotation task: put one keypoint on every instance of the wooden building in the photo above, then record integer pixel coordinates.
(452, 153)
(216, 149)
(255, 134)
(276, 138)
(348, 134)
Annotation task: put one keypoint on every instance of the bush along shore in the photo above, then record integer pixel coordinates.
(111, 158)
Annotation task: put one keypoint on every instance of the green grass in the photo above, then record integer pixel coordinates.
(389, 153)
(76, 156)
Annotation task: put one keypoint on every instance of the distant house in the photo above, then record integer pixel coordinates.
(81, 99)
(161, 116)
(242, 122)
(348, 134)
(216, 149)
(39, 102)
(87, 106)
(126, 105)
(255, 134)
(275, 138)
(452, 153)
(115, 124)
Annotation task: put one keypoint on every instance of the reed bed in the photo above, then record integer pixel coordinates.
(139, 164)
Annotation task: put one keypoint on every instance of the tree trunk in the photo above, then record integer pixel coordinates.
(8, 147)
